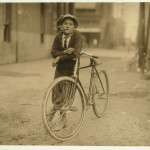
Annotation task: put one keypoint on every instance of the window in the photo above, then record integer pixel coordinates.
(6, 21)
(42, 30)
(85, 7)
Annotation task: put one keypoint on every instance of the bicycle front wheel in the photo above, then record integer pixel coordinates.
(63, 108)
(101, 90)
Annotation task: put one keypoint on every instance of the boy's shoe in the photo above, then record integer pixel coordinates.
(50, 117)
(89, 103)
(61, 125)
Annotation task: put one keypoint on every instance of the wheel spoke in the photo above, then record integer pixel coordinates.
(100, 95)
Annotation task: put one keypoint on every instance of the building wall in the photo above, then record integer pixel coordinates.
(30, 46)
(31, 36)
(7, 49)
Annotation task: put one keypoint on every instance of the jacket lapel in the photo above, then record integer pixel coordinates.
(60, 39)
(71, 41)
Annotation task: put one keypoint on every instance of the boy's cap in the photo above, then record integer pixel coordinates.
(68, 16)
(59, 19)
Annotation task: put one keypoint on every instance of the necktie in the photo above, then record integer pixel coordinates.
(65, 42)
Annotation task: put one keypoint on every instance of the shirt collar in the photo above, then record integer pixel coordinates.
(63, 36)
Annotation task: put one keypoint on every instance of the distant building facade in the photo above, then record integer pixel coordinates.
(98, 25)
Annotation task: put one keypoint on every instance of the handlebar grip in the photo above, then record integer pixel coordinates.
(95, 56)
(88, 54)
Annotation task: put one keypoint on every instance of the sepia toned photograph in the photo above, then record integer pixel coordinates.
(75, 74)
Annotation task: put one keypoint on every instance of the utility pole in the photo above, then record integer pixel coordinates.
(148, 30)
(146, 68)
(141, 35)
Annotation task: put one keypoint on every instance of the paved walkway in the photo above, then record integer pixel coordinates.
(111, 53)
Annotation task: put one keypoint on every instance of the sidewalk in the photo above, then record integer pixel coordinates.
(31, 68)
(123, 54)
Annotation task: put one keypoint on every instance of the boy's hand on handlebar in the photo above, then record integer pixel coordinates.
(69, 50)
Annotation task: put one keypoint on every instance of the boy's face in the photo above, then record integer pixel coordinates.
(68, 26)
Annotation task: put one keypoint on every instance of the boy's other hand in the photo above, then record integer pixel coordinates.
(69, 50)
(56, 60)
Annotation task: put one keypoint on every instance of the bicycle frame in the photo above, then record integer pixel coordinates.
(75, 99)
(92, 65)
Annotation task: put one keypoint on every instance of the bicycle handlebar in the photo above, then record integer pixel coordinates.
(90, 55)
(84, 53)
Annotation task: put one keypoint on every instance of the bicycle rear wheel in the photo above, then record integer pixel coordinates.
(68, 117)
(100, 90)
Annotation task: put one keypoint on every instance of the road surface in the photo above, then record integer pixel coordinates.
(125, 123)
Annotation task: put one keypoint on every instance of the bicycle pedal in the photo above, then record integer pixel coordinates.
(60, 125)
(73, 109)
(90, 103)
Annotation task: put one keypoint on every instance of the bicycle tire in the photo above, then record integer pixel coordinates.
(46, 100)
(100, 103)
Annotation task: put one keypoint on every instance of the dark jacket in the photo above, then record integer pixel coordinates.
(67, 62)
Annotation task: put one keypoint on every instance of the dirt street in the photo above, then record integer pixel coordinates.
(125, 123)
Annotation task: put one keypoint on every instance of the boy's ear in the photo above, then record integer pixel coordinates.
(60, 27)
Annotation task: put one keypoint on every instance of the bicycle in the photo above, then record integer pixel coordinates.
(75, 101)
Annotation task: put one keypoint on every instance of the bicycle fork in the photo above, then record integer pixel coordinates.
(92, 91)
